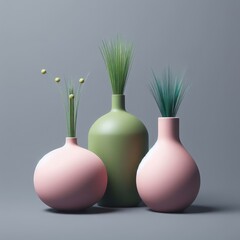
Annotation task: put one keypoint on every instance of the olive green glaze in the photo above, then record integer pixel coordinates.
(121, 141)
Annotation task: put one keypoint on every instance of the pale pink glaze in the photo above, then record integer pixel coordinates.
(70, 177)
(168, 179)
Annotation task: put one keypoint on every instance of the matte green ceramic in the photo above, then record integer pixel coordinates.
(121, 141)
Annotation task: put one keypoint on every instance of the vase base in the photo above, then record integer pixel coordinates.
(118, 205)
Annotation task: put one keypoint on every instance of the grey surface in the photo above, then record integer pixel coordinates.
(201, 37)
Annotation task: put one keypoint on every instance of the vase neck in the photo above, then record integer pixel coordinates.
(168, 128)
(118, 102)
(71, 140)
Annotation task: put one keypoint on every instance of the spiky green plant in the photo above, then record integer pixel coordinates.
(117, 56)
(168, 91)
(71, 96)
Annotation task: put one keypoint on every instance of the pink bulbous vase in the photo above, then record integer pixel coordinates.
(70, 178)
(168, 179)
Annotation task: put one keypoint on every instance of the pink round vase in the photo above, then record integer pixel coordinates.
(168, 179)
(70, 178)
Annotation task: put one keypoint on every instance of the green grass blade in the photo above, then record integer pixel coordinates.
(168, 91)
(117, 57)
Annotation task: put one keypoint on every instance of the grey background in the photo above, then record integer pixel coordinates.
(201, 37)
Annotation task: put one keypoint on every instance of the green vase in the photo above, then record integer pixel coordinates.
(121, 141)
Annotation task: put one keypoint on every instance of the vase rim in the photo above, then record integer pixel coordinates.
(71, 137)
(118, 94)
(168, 118)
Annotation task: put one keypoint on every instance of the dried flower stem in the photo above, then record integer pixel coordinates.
(71, 103)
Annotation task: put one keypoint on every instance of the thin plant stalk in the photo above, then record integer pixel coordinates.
(72, 132)
(63, 95)
(81, 81)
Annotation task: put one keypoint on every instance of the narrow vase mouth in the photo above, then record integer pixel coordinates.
(168, 128)
(71, 140)
(118, 102)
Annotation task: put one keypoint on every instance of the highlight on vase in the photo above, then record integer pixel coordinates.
(168, 178)
(70, 178)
